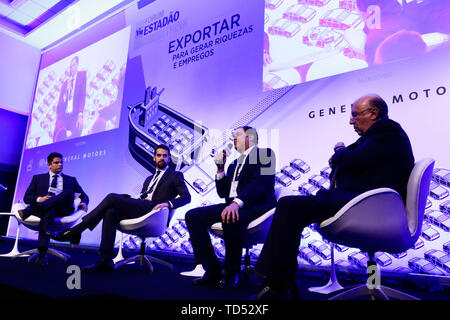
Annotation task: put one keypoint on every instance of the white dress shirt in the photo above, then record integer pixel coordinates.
(59, 183)
(69, 108)
(154, 182)
(236, 174)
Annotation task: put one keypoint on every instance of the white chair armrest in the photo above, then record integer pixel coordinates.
(261, 219)
(218, 225)
(76, 215)
(352, 202)
(135, 223)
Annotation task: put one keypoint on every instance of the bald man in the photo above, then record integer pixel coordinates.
(381, 157)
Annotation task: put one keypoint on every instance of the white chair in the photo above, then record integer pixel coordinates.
(378, 220)
(32, 222)
(256, 231)
(152, 224)
(333, 284)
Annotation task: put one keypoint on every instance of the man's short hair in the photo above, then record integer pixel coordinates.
(163, 146)
(377, 102)
(52, 156)
(250, 131)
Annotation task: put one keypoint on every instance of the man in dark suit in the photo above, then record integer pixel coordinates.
(69, 111)
(51, 195)
(381, 157)
(166, 188)
(248, 190)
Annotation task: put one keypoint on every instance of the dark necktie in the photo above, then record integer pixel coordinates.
(71, 89)
(53, 184)
(152, 185)
(240, 163)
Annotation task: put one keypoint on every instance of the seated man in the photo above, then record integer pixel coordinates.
(248, 189)
(159, 190)
(381, 157)
(51, 195)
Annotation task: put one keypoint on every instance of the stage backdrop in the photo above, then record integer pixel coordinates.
(202, 65)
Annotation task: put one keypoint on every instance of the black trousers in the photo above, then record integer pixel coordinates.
(112, 209)
(57, 206)
(278, 258)
(198, 222)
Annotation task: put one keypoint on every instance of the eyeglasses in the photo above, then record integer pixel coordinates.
(354, 115)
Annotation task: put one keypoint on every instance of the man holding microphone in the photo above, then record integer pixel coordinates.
(248, 189)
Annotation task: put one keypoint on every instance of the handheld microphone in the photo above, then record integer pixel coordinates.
(143, 195)
(338, 146)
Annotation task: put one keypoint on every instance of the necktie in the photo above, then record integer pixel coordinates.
(152, 185)
(53, 184)
(240, 163)
(71, 89)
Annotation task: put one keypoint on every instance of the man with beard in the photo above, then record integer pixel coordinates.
(165, 188)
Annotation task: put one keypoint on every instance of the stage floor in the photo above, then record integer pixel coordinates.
(22, 280)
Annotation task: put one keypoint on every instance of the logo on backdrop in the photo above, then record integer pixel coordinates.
(156, 22)
(198, 45)
(416, 95)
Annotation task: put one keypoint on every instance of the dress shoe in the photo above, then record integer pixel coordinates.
(229, 281)
(24, 214)
(39, 258)
(294, 292)
(209, 278)
(102, 265)
(63, 236)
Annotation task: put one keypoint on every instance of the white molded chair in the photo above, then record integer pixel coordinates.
(32, 222)
(152, 224)
(257, 229)
(333, 284)
(378, 220)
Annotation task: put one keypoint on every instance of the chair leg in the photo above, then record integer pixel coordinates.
(149, 264)
(246, 268)
(119, 257)
(354, 292)
(25, 253)
(15, 250)
(142, 257)
(164, 263)
(379, 292)
(392, 293)
(333, 284)
(58, 254)
(125, 261)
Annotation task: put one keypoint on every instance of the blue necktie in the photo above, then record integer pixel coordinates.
(53, 184)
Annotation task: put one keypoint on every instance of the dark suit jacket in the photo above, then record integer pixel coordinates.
(68, 121)
(382, 157)
(40, 183)
(79, 95)
(168, 188)
(256, 187)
